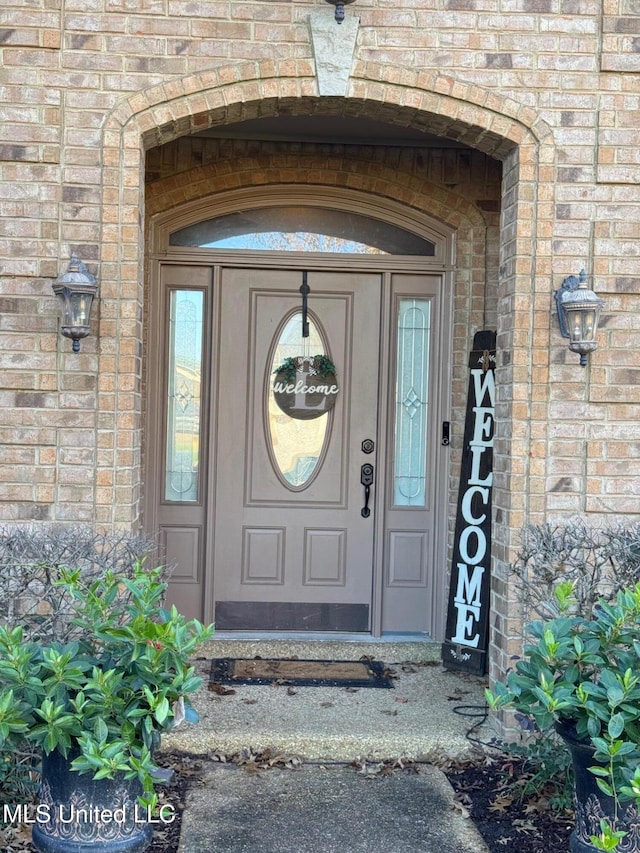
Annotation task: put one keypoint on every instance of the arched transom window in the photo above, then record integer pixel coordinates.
(301, 228)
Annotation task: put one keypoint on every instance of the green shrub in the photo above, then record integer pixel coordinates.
(583, 672)
(594, 564)
(68, 593)
(104, 697)
(545, 770)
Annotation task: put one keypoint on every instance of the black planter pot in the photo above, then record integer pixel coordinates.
(79, 814)
(591, 804)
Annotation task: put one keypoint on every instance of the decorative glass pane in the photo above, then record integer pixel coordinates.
(412, 403)
(297, 445)
(186, 313)
(303, 229)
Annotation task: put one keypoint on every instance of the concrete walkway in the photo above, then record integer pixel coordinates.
(325, 809)
(323, 804)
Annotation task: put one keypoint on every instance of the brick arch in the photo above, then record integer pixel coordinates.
(438, 103)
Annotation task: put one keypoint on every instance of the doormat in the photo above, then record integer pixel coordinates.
(300, 673)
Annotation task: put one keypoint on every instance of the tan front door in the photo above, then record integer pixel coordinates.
(293, 550)
(261, 513)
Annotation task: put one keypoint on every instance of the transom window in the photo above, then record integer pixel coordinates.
(300, 228)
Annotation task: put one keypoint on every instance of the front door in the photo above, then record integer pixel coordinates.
(293, 548)
(275, 519)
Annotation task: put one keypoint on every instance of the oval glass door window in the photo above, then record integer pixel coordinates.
(297, 446)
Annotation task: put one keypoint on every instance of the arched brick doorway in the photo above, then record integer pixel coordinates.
(480, 119)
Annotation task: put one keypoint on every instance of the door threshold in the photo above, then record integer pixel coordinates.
(298, 636)
(390, 648)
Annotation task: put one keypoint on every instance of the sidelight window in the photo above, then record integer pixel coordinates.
(412, 402)
(184, 389)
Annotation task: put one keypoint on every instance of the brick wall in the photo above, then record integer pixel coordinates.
(550, 88)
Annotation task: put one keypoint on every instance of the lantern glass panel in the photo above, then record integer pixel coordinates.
(80, 308)
(582, 324)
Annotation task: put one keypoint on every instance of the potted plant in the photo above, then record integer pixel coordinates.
(97, 704)
(581, 674)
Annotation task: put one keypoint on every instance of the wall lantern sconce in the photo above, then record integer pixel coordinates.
(578, 314)
(76, 289)
(340, 4)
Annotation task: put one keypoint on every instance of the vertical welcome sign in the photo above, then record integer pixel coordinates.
(467, 634)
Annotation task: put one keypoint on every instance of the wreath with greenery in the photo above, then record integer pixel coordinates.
(319, 365)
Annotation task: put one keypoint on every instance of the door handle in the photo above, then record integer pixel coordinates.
(366, 478)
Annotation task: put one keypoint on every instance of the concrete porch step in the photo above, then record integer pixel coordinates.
(427, 712)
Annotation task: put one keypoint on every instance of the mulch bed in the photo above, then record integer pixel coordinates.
(506, 821)
(187, 770)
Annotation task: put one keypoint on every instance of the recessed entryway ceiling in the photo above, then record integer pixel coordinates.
(345, 130)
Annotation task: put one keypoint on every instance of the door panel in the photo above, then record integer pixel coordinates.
(291, 557)
(266, 539)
